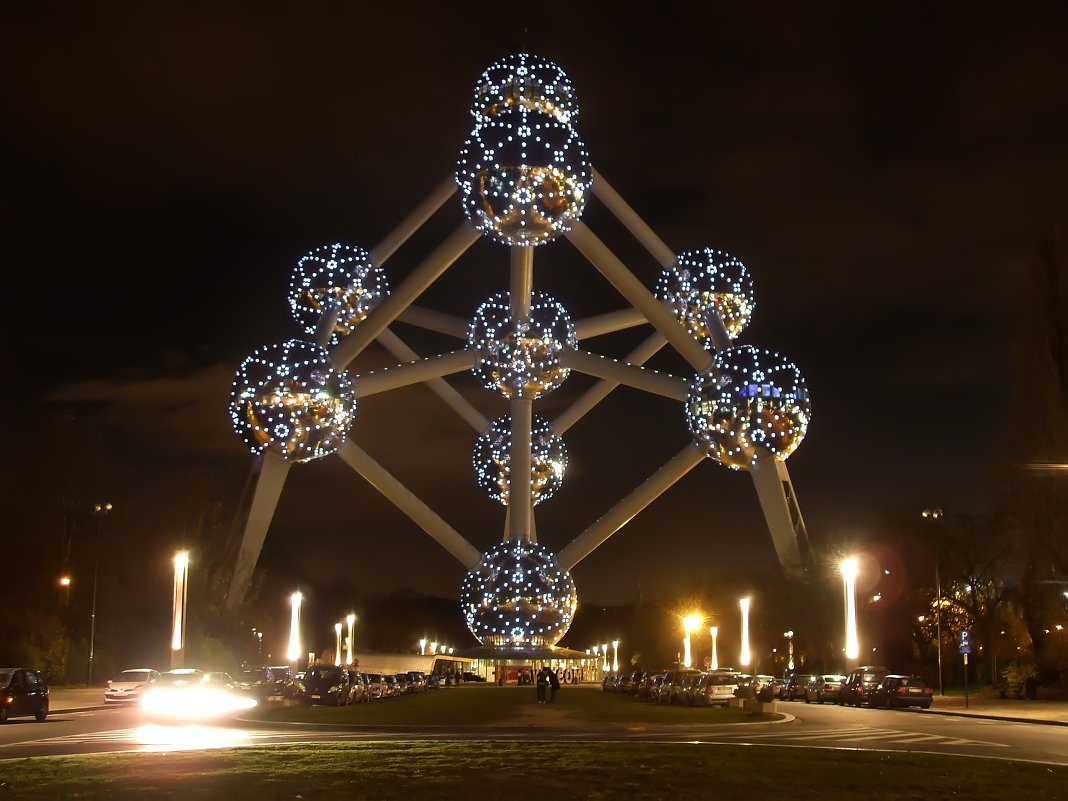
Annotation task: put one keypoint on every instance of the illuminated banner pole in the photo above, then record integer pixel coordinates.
(714, 633)
(181, 597)
(744, 604)
(351, 620)
(337, 647)
(293, 652)
(849, 581)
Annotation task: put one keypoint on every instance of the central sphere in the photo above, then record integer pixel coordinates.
(289, 399)
(518, 597)
(521, 358)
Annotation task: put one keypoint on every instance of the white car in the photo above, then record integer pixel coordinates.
(129, 685)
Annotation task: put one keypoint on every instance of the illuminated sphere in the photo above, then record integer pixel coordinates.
(524, 177)
(750, 398)
(518, 597)
(528, 81)
(290, 400)
(335, 275)
(702, 283)
(492, 456)
(521, 358)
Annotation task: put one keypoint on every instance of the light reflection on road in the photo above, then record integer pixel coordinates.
(154, 737)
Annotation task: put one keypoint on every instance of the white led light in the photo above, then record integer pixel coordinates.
(706, 282)
(526, 80)
(521, 358)
(335, 275)
(492, 455)
(291, 400)
(518, 597)
(749, 398)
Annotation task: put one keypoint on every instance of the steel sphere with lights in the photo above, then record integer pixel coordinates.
(521, 358)
(749, 398)
(335, 275)
(290, 399)
(525, 80)
(492, 457)
(518, 597)
(704, 282)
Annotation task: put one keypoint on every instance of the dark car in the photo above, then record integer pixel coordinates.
(417, 681)
(794, 686)
(824, 687)
(467, 675)
(327, 685)
(673, 691)
(898, 690)
(859, 683)
(23, 691)
(264, 682)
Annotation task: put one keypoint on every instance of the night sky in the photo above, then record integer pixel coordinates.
(885, 175)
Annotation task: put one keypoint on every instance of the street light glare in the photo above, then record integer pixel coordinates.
(181, 560)
(691, 622)
(848, 568)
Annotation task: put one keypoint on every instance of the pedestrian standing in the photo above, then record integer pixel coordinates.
(554, 685)
(543, 684)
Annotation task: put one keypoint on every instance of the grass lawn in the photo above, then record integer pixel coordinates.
(515, 771)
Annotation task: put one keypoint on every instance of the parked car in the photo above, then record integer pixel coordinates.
(794, 686)
(649, 680)
(128, 685)
(377, 686)
(182, 694)
(859, 683)
(714, 689)
(23, 692)
(467, 675)
(433, 681)
(357, 687)
(899, 690)
(675, 683)
(656, 686)
(825, 687)
(219, 678)
(272, 680)
(417, 680)
(393, 687)
(327, 685)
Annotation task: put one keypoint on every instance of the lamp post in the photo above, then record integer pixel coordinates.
(178, 615)
(604, 653)
(789, 635)
(689, 624)
(615, 656)
(744, 657)
(351, 620)
(422, 647)
(293, 652)
(714, 633)
(100, 511)
(337, 647)
(848, 568)
(64, 582)
(936, 514)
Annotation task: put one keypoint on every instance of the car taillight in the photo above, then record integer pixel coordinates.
(928, 691)
(902, 690)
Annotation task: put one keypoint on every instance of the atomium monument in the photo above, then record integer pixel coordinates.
(523, 178)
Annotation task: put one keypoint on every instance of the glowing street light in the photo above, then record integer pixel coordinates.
(848, 568)
(604, 651)
(689, 624)
(294, 650)
(422, 647)
(337, 648)
(744, 604)
(789, 635)
(64, 582)
(178, 615)
(615, 656)
(433, 647)
(351, 620)
(714, 633)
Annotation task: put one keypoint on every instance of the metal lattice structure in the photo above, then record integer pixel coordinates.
(523, 178)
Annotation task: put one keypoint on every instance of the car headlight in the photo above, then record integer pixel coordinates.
(335, 689)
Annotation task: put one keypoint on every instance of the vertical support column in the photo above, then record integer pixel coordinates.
(520, 512)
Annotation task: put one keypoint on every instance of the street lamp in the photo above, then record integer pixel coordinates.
(615, 656)
(689, 624)
(351, 620)
(744, 604)
(64, 582)
(100, 511)
(180, 604)
(714, 632)
(337, 647)
(422, 647)
(789, 635)
(936, 514)
(604, 653)
(294, 651)
(848, 568)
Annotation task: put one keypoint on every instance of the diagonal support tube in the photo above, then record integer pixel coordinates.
(641, 231)
(434, 321)
(403, 498)
(413, 222)
(608, 323)
(624, 511)
(414, 285)
(632, 375)
(415, 372)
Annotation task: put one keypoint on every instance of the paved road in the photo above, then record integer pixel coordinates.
(995, 729)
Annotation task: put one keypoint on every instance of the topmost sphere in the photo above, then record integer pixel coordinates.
(522, 79)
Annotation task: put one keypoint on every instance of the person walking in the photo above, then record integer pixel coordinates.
(543, 684)
(554, 685)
